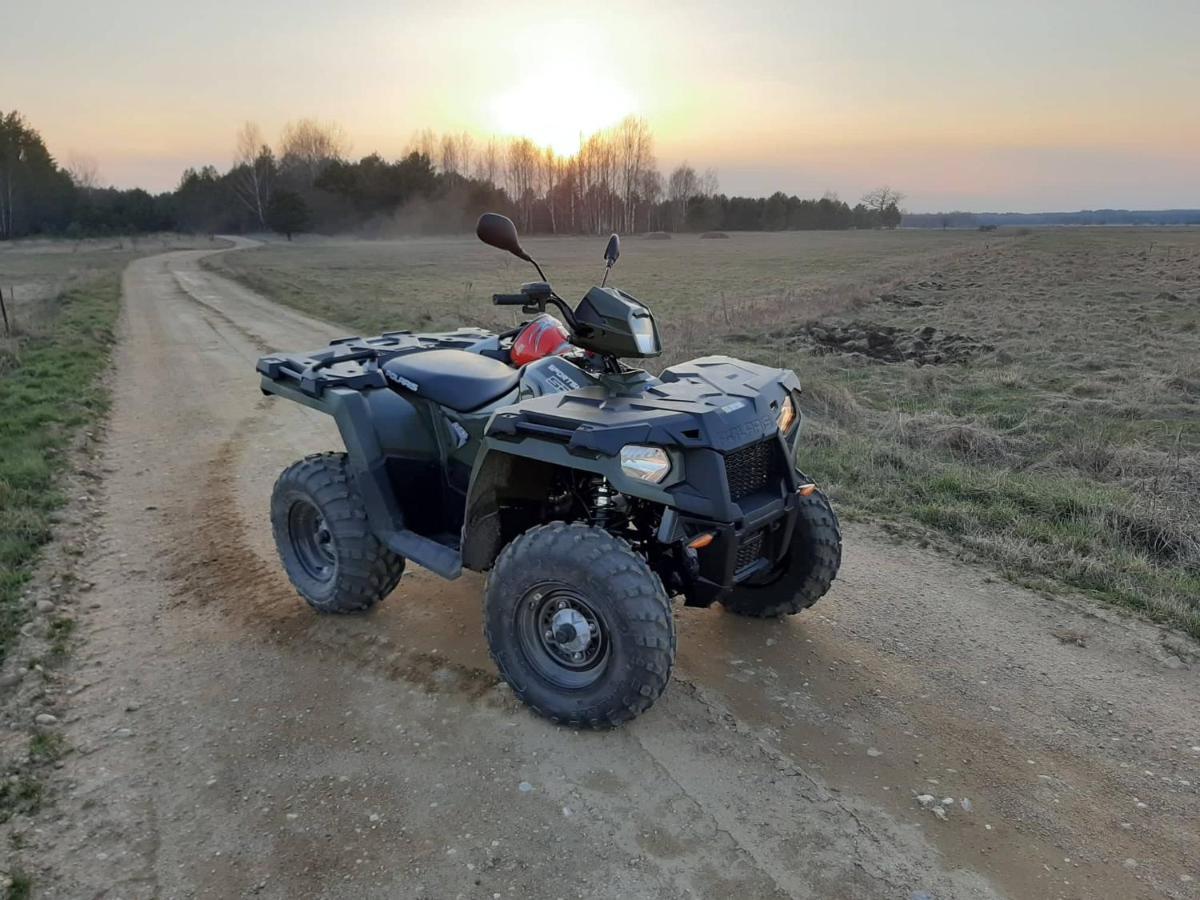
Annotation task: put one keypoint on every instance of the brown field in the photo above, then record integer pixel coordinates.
(1033, 398)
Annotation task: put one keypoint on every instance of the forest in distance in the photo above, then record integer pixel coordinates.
(309, 182)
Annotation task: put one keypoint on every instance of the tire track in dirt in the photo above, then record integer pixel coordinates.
(188, 286)
(214, 565)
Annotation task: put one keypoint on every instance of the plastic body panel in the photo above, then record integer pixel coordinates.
(553, 375)
(611, 321)
(697, 411)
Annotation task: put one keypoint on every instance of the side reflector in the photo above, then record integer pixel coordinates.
(703, 541)
(806, 489)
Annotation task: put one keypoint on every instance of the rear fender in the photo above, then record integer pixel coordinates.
(351, 411)
(366, 454)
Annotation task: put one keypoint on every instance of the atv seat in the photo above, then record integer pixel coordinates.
(455, 378)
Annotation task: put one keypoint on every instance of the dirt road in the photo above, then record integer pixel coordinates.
(228, 742)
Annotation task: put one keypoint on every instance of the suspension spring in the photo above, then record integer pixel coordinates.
(602, 503)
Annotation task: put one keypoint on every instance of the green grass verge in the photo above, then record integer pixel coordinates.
(49, 389)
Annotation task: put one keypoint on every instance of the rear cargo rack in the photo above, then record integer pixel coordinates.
(354, 362)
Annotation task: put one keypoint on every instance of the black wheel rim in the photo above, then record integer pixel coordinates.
(563, 636)
(312, 540)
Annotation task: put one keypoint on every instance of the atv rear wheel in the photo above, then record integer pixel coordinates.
(579, 625)
(321, 532)
(805, 574)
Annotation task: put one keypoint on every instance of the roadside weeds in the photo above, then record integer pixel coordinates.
(53, 395)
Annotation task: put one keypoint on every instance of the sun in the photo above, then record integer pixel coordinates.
(561, 104)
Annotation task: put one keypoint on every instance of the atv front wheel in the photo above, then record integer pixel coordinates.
(579, 625)
(805, 574)
(321, 532)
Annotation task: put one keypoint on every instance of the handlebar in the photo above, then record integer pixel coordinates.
(534, 304)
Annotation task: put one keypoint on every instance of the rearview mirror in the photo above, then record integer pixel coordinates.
(500, 232)
(613, 250)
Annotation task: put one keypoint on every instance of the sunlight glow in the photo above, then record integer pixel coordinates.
(566, 100)
(1021, 105)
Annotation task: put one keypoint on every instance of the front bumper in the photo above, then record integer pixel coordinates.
(739, 551)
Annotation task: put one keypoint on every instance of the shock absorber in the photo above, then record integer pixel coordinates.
(602, 503)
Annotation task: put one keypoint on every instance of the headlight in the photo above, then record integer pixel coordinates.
(645, 336)
(787, 414)
(645, 463)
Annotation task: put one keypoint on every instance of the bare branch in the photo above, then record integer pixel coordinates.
(84, 171)
(307, 146)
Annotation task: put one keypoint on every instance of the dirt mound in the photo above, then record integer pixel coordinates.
(903, 294)
(924, 346)
(711, 235)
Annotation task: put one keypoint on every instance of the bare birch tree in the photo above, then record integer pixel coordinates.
(551, 175)
(635, 151)
(651, 189)
(682, 186)
(448, 160)
(253, 171)
(522, 170)
(588, 169)
(487, 162)
(465, 151)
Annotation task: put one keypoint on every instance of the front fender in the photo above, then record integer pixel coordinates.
(555, 454)
(526, 470)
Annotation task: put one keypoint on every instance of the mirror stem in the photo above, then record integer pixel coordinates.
(541, 274)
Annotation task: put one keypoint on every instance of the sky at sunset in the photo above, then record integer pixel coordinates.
(1009, 105)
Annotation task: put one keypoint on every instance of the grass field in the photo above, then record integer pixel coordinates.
(1032, 396)
(67, 300)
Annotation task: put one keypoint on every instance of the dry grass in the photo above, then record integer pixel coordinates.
(35, 273)
(1069, 451)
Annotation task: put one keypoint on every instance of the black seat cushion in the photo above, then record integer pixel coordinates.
(453, 378)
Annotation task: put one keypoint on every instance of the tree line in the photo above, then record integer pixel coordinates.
(1083, 217)
(308, 182)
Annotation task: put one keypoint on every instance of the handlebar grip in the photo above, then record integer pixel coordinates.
(510, 299)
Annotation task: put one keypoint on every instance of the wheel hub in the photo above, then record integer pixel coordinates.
(571, 631)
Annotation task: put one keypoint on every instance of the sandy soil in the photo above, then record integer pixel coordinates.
(228, 742)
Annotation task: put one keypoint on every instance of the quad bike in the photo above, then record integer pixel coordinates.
(590, 492)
